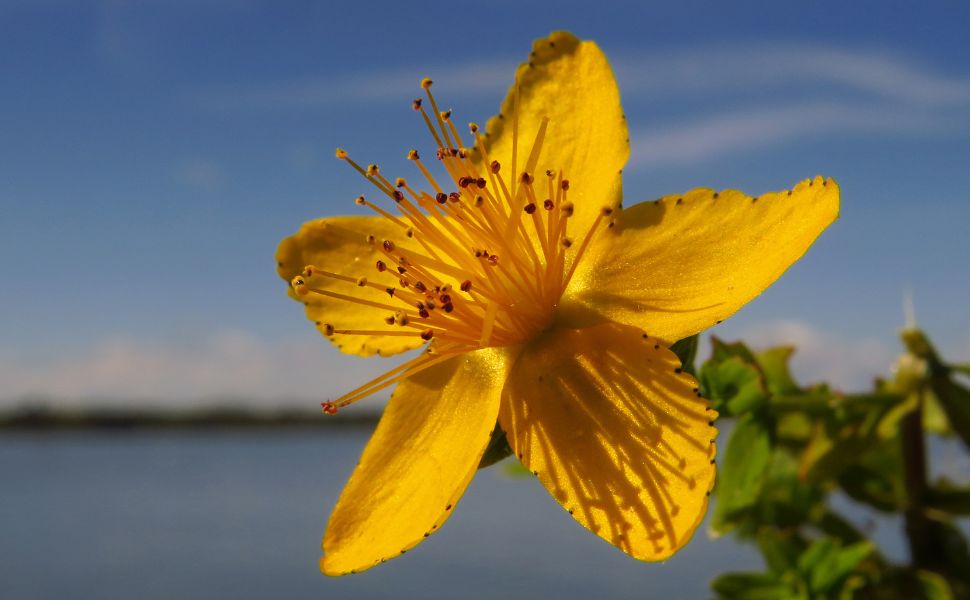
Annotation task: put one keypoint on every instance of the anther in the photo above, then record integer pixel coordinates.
(426, 83)
(389, 245)
(449, 307)
(529, 208)
(299, 286)
(445, 115)
(398, 196)
(479, 201)
(416, 104)
(409, 232)
(444, 299)
(526, 178)
(441, 197)
(361, 281)
(548, 204)
(341, 154)
(360, 201)
(566, 242)
(481, 182)
(389, 320)
(329, 407)
(373, 170)
(549, 173)
(427, 334)
(567, 209)
(423, 313)
(328, 329)
(473, 127)
(400, 182)
(565, 184)
(606, 211)
(413, 155)
(381, 266)
(454, 196)
(464, 182)
(466, 285)
(420, 286)
(495, 166)
(371, 240)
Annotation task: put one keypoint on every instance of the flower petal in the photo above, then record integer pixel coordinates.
(339, 245)
(616, 433)
(682, 264)
(418, 463)
(571, 83)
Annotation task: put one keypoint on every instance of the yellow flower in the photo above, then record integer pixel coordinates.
(549, 309)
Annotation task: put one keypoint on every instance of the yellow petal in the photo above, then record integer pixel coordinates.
(616, 433)
(571, 83)
(681, 264)
(339, 245)
(418, 463)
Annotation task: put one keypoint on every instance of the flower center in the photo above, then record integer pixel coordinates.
(482, 264)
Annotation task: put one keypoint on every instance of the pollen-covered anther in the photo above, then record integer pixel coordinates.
(401, 318)
(299, 286)
(400, 182)
(328, 407)
(359, 201)
(327, 329)
(446, 115)
(340, 153)
(413, 155)
(426, 83)
(373, 170)
(473, 127)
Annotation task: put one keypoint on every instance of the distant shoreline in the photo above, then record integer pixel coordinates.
(116, 419)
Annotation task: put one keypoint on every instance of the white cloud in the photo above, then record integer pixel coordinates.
(849, 364)
(229, 365)
(760, 127)
(771, 67)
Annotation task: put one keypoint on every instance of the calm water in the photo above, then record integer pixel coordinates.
(240, 515)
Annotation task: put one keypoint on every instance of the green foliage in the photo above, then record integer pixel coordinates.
(791, 447)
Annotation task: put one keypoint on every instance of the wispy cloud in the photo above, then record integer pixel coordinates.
(453, 81)
(772, 67)
(847, 363)
(228, 364)
(200, 174)
(779, 92)
(726, 133)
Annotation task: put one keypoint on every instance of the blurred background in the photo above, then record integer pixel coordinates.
(153, 154)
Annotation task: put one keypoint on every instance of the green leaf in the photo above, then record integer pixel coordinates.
(686, 351)
(826, 564)
(948, 498)
(774, 365)
(779, 550)
(933, 586)
(742, 471)
(749, 586)
(498, 448)
(955, 401)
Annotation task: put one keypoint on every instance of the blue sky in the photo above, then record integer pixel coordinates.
(152, 155)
